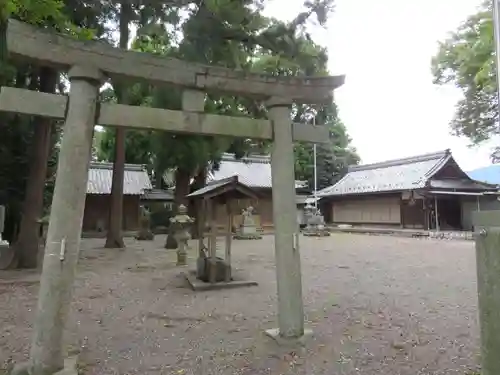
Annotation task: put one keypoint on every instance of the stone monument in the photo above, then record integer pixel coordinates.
(181, 223)
(204, 263)
(145, 233)
(248, 228)
(315, 222)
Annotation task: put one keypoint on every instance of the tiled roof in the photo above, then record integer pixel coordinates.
(463, 184)
(253, 171)
(212, 185)
(135, 180)
(401, 174)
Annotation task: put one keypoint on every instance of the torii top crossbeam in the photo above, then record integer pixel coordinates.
(48, 48)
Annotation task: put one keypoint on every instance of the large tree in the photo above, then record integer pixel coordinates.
(248, 41)
(224, 33)
(37, 135)
(466, 59)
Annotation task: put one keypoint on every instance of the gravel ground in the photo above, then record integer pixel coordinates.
(394, 306)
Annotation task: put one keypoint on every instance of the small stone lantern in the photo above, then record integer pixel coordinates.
(315, 222)
(181, 223)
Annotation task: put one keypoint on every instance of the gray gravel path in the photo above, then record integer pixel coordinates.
(394, 306)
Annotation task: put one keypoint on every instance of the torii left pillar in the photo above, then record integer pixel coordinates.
(65, 226)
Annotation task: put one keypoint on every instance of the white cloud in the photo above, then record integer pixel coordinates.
(384, 47)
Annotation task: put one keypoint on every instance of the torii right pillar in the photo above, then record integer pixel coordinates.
(286, 229)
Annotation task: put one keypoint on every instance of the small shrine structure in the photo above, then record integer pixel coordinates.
(213, 272)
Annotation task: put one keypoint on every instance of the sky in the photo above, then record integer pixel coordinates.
(389, 105)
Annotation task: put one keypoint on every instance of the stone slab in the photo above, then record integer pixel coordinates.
(27, 42)
(198, 285)
(241, 236)
(412, 233)
(54, 106)
(19, 277)
(70, 368)
(274, 333)
(323, 233)
(486, 218)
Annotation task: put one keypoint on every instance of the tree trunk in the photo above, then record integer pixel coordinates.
(182, 180)
(114, 237)
(158, 178)
(28, 243)
(199, 182)
(4, 21)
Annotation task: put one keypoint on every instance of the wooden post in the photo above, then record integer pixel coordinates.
(201, 206)
(487, 228)
(229, 234)
(436, 214)
(212, 247)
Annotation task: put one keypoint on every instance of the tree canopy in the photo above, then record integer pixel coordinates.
(466, 59)
(245, 40)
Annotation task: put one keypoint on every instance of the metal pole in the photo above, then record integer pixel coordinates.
(496, 27)
(315, 170)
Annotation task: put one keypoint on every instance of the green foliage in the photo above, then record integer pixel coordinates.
(332, 159)
(160, 215)
(138, 147)
(17, 132)
(467, 60)
(233, 34)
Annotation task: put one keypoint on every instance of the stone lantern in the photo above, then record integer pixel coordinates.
(181, 222)
(315, 223)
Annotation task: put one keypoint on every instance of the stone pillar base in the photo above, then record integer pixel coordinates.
(70, 368)
(181, 258)
(274, 333)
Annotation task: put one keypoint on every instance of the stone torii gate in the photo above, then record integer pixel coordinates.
(88, 64)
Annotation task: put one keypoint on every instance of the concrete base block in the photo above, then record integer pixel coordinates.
(70, 368)
(317, 234)
(274, 333)
(254, 236)
(198, 285)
